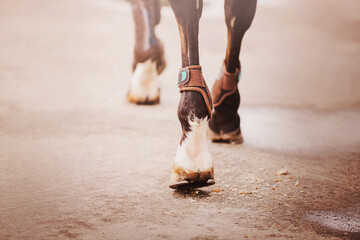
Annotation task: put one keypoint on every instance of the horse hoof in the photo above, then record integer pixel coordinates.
(185, 179)
(191, 185)
(143, 101)
(231, 137)
(144, 87)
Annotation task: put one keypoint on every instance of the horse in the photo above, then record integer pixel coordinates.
(201, 113)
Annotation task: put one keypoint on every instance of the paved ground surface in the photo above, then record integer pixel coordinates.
(77, 161)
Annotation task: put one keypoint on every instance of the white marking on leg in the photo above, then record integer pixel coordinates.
(145, 81)
(232, 22)
(197, 4)
(193, 153)
(146, 29)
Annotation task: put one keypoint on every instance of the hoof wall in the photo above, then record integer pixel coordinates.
(231, 137)
(197, 184)
(143, 101)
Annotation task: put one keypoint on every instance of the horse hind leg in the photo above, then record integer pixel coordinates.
(149, 59)
(225, 123)
(193, 167)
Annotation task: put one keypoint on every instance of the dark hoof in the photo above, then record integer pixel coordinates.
(187, 185)
(231, 137)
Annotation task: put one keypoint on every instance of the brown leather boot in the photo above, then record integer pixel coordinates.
(224, 126)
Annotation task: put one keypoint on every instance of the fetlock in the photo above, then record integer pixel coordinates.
(155, 53)
(191, 108)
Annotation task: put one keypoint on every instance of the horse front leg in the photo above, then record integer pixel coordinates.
(193, 165)
(225, 124)
(149, 59)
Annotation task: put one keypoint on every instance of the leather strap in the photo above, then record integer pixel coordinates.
(191, 79)
(225, 85)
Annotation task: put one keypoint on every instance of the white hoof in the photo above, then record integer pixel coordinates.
(144, 87)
